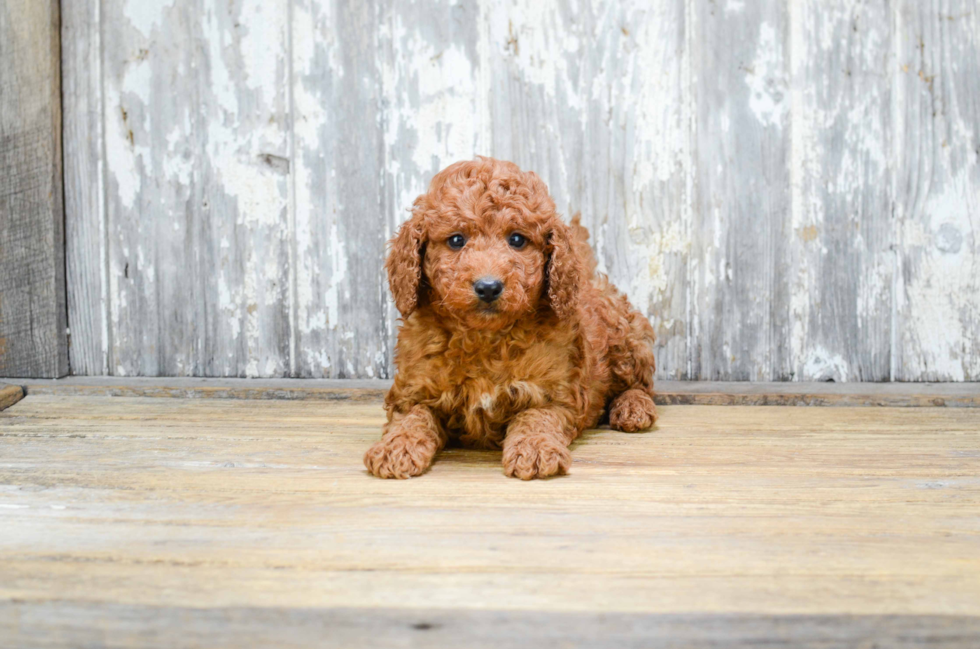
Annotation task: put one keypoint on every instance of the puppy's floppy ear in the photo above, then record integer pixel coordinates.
(404, 263)
(565, 270)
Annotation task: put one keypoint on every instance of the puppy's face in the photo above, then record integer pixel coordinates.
(485, 263)
(484, 247)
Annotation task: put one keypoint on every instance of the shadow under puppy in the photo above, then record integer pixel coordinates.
(510, 339)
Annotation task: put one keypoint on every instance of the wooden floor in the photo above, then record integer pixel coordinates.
(201, 522)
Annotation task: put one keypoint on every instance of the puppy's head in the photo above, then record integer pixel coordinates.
(484, 246)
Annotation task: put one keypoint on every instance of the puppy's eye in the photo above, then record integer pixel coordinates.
(517, 241)
(456, 241)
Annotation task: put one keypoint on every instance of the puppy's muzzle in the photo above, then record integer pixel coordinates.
(488, 289)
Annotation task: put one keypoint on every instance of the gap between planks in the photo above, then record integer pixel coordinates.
(704, 393)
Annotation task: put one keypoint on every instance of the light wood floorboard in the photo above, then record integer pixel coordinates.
(119, 515)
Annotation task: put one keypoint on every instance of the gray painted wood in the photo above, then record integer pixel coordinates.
(595, 97)
(196, 114)
(775, 184)
(86, 624)
(340, 312)
(841, 233)
(741, 285)
(86, 238)
(435, 103)
(33, 320)
(937, 206)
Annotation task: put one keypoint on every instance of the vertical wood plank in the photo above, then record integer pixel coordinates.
(595, 97)
(938, 190)
(435, 98)
(841, 239)
(33, 319)
(197, 169)
(85, 233)
(341, 226)
(741, 288)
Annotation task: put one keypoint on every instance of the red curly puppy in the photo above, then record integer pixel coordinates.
(510, 339)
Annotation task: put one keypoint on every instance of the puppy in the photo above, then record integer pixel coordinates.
(509, 339)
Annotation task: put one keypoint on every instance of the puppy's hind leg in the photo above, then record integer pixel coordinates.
(632, 411)
(634, 408)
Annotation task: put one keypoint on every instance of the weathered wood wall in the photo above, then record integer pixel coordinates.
(33, 314)
(789, 189)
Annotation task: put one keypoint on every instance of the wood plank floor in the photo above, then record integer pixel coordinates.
(190, 522)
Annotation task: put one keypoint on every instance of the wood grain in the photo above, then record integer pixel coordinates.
(433, 105)
(33, 319)
(937, 189)
(846, 521)
(840, 238)
(596, 97)
(86, 236)
(706, 393)
(785, 189)
(196, 151)
(59, 624)
(741, 289)
(340, 305)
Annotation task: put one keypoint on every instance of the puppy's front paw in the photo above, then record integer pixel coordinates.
(631, 411)
(400, 456)
(535, 456)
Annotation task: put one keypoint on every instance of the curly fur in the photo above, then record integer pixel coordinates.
(530, 372)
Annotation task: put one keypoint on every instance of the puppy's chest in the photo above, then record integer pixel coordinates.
(480, 383)
(480, 400)
(480, 409)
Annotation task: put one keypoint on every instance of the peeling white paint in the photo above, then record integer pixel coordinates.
(650, 284)
(602, 100)
(230, 306)
(766, 79)
(822, 365)
(438, 128)
(144, 15)
(661, 134)
(338, 275)
(177, 165)
(121, 160)
(942, 299)
(263, 56)
(528, 33)
(125, 150)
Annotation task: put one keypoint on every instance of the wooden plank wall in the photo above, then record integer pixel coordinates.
(789, 190)
(33, 314)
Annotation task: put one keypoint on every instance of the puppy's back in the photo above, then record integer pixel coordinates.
(580, 241)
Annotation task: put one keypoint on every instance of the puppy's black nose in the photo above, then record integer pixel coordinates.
(488, 289)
